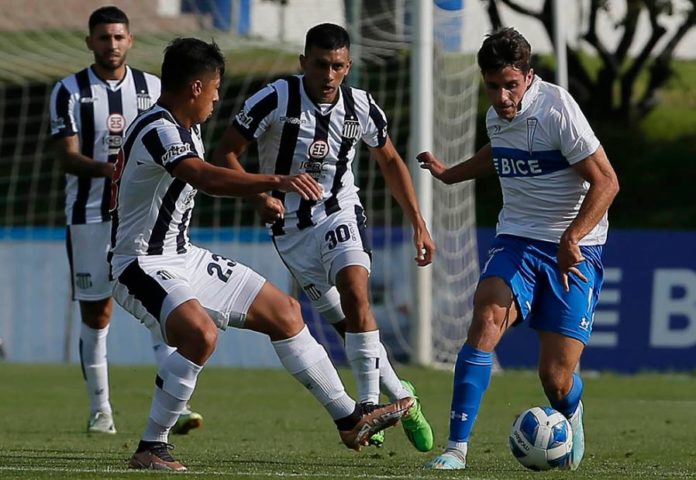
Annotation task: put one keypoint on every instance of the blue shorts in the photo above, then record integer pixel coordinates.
(530, 269)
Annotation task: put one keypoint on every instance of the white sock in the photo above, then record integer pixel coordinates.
(160, 348)
(459, 447)
(175, 383)
(388, 381)
(308, 362)
(94, 367)
(363, 352)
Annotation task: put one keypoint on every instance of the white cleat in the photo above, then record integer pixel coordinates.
(578, 450)
(101, 422)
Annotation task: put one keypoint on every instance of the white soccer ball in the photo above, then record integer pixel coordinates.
(541, 438)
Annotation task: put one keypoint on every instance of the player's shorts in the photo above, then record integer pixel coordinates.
(530, 269)
(315, 255)
(151, 287)
(88, 246)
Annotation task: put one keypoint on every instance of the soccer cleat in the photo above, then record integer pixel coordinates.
(187, 421)
(377, 440)
(450, 459)
(155, 456)
(416, 427)
(578, 450)
(375, 418)
(101, 422)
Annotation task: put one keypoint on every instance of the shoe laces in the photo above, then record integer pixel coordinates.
(368, 407)
(161, 449)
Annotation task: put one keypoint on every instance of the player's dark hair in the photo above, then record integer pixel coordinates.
(186, 59)
(503, 48)
(108, 14)
(327, 36)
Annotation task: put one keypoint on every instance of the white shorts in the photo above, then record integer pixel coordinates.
(151, 287)
(88, 246)
(315, 255)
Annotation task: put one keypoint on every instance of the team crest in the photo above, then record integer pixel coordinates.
(319, 149)
(83, 280)
(144, 101)
(116, 123)
(351, 129)
(531, 130)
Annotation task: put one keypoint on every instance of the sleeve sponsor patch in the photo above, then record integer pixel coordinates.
(175, 151)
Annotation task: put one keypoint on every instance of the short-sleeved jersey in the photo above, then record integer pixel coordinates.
(99, 113)
(296, 136)
(533, 155)
(151, 207)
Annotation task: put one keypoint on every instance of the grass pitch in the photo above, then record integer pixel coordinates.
(261, 424)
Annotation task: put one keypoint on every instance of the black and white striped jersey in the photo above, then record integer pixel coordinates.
(98, 112)
(152, 208)
(295, 135)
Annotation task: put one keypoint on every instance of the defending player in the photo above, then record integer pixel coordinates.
(184, 292)
(544, 266)
(90, 111)
(313, 123)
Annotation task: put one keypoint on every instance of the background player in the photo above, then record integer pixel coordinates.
(184, 292)
(90, 111)
(312, 123)
(544, 266)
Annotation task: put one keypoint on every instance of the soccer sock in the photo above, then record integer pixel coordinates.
(388, 380)
(160, 348)
(363, 352)
(308, 362)
(94, 367)
(472, 375)
(174, 386)
(570, 402)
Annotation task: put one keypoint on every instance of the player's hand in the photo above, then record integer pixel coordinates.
(303, 184)
(569, 258)
(425, 247)
(269, 208)
(428, 162)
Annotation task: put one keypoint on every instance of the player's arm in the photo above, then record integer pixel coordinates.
(399, 182)
(604, 185)
(479, 165)
(226, 182)
(227, 154)
(75, 163)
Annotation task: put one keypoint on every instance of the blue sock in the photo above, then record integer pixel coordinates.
(570, 402)
(472, 375)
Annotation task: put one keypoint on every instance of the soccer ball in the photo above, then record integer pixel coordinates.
(541, 438)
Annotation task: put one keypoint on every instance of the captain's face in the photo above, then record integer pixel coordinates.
(505, 89)
(110, 42)
(324, 71)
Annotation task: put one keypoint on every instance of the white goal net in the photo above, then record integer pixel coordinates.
(40, 46)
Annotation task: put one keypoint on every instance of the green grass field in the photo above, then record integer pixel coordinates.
(262, 424)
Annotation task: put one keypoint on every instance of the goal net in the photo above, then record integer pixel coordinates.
(261, 44)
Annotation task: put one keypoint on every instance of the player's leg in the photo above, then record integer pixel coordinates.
(87, 247)
(277, 315)
(564, 322)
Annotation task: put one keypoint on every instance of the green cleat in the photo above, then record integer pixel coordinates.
(416, 427)
(187, 421)
(377, 440)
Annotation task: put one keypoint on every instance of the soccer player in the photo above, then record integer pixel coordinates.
(544, 266)
(90, 110)
(184, 292)
(312, 123)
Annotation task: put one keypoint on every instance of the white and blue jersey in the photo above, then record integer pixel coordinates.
(533, 156)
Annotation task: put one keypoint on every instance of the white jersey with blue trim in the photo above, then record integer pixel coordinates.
(151, 208)
(296, 136)
(533, 156)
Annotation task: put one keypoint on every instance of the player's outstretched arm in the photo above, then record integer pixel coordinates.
(399, 182)
(225, 182)
(480, 165)
(75, 163)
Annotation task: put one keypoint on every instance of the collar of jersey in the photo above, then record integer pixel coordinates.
(315, 105)
(529, 96)
(104, 82)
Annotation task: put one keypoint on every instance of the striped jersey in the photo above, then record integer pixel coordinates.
(98, 111)
(295, 136)
(152, 208)
(533, 156)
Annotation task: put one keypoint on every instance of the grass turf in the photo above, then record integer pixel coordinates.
(262, 424)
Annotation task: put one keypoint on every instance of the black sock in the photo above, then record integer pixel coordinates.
(347, 423)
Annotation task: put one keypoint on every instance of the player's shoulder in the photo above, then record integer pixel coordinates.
(73, 82)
